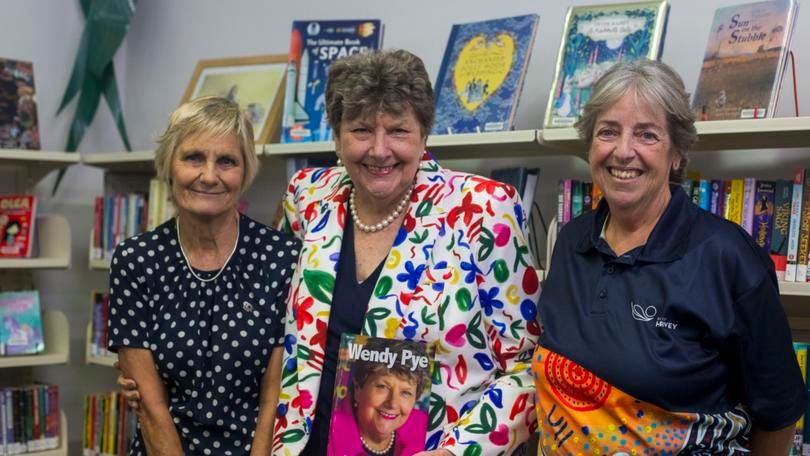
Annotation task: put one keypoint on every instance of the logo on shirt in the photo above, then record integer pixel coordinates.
(643, 313)
(649, 313)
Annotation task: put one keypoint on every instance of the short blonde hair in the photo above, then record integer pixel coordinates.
(656, 84)
(215, 116)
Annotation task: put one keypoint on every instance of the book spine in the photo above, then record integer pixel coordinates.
(98, 217)
(566, 201)
(716, 193)
(735, 197)
(36, 431)
(795, 225)
(749, 191)
(3, 421)
(801, 357)
(596, 196)
(587, 196)
(804, 230)
(763, 214)
(560, 203)
(704, 194)
(576, 199)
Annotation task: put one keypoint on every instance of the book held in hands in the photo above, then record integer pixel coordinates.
(382, 391)
(482, 75)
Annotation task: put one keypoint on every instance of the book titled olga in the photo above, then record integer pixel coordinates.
(594, 39)
(482, 74)
(744, 61)
(313, 46)
(382, 390)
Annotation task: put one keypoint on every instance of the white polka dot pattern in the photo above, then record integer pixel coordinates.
(211, 340)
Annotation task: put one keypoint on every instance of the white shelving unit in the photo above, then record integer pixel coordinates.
(52, 233)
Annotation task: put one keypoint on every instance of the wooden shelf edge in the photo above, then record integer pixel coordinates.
(794, 288)
(24, 156)
(57, 343)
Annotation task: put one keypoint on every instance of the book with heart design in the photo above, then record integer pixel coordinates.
(482, 74)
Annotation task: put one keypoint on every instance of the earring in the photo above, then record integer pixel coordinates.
(339, 162)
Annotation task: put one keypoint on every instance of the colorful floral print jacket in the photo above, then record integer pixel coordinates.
(459, 276)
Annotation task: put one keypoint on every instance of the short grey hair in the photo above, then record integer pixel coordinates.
(215, 116)
(657, 85)
(369, 83)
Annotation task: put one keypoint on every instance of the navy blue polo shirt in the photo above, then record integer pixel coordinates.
(691, 321)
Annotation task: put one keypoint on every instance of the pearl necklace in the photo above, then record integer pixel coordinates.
(380, 452)
(188, 263)
(387, 220)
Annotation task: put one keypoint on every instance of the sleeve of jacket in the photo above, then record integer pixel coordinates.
(508, 291)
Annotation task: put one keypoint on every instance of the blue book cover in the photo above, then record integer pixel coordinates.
(482, 74)
(313, 46)
(594, 39)
(20, 323)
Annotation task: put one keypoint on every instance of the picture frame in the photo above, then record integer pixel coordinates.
(255, 82)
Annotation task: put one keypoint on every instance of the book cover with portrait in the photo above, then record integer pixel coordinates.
(17, 217)
(594, 39)
(382, 393)
(482, 75)
(18, 106)
(314, 45)
(744, 60)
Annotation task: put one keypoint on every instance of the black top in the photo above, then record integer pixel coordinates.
(691, 321)
(349, 304)
(211, 341)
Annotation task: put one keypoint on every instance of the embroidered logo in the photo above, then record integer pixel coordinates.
(643, 313)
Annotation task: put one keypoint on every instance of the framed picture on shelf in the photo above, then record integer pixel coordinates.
(256, 83)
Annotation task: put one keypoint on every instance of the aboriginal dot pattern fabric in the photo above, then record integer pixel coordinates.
(211, 341)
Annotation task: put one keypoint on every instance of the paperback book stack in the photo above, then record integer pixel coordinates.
(98, 324)
(29, 419)
(119, 216)
(109, 425)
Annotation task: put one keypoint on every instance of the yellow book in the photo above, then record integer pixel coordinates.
(734, 207)
(801, 357)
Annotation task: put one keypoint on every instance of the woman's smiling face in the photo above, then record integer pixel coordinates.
(383, 405)
(631, 155)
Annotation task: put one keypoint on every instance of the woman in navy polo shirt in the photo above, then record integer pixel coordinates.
(663, 328)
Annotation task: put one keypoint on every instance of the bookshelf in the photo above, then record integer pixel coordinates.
(57, 344)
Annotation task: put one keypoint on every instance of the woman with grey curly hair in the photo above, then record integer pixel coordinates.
(663, 328)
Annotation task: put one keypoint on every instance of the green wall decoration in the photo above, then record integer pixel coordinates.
(107, 23)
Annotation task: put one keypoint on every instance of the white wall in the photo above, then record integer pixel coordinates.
(169, 37)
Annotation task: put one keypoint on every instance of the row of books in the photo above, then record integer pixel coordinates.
(17, 220)
(574, 197)
(21, 331)
(109, 425)
(29, 419)
(99, 317)
(775, 213)
(120, 215)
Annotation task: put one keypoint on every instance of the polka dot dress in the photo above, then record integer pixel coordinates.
(211, 341)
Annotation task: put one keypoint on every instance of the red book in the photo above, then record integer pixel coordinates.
(17, 217)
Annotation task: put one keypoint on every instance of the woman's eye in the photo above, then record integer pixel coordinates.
(648, 137)
(193, 158)
(606, 133)
(227, 161)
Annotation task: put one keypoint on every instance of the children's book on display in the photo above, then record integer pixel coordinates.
(20, 323)
(482, 74)
(594, 39)
(18, 105)
(744, 61)
(17, 217)
(313, 46)
(381, 398)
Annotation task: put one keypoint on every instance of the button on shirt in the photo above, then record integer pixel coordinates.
(691, 321)
(211, 340)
